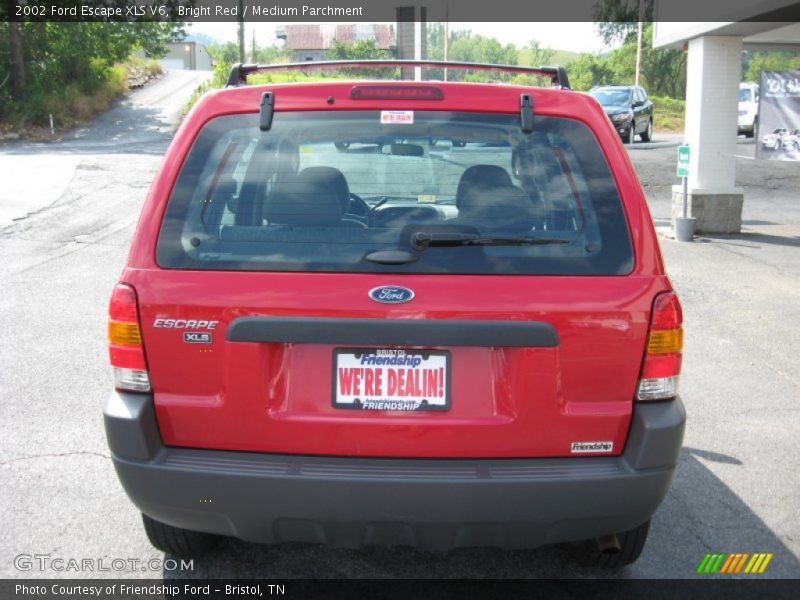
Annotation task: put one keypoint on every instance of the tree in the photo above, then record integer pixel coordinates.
(590, 70)
(537, 55)
(617, 20)
(17, 60)
(360, 50)
(49, 60)
(755, 62)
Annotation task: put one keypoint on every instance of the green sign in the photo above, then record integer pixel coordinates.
(683, 161)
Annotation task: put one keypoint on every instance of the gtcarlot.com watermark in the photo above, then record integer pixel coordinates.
(48, 562)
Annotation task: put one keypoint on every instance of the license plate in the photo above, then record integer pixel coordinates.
(391, 379)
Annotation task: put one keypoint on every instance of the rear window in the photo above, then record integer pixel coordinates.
(372, 191)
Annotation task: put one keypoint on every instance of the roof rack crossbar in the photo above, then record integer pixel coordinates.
(240, 72)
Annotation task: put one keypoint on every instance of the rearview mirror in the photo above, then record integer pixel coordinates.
(407, 150)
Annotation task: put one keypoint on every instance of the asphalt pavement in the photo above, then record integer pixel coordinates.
(63, 243)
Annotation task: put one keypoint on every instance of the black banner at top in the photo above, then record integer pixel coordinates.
(320, 11)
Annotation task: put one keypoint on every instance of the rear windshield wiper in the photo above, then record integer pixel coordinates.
(422, 240)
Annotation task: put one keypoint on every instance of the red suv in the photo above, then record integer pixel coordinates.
(396, 312)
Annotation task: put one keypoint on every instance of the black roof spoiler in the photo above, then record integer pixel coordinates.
(239, 73)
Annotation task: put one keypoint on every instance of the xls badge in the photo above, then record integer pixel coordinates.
(197, 337)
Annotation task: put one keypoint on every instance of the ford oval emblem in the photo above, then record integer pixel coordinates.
(391, 294)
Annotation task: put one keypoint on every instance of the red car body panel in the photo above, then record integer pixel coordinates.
(506, 402)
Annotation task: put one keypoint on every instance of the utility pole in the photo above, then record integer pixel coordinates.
(241, 31)
(639, 42)
(446, 36)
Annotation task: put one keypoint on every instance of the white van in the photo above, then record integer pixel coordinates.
(748, 109)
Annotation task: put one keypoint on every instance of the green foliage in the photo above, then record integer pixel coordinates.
(360, 50)
(465, 46)
(267, 55)
(224, 56)
(72, 70)
(617, 20)
(663, 72)
(557, 57)
(590, 70)
(227, 53)
(755, 62)
(668, 113)
(536, 55)
(64, 59)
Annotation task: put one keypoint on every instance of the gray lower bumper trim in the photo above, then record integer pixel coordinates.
(427, 503)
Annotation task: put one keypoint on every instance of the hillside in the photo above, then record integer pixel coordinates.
(560, 57)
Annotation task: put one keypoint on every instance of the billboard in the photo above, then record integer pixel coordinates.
(779, 116)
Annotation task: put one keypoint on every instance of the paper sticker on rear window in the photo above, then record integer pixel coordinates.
(397, 116)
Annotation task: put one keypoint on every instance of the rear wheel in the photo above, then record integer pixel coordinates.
(752, 132)
(647, 134)
(631, 544)
(176, 541)
(628, 137)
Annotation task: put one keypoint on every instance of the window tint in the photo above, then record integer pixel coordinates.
(450, 192)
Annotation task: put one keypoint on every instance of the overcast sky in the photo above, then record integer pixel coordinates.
(577, 37)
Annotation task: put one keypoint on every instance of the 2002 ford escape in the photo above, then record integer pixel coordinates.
(420, 313)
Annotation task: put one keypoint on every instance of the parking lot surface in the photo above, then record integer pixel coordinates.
(736, 489)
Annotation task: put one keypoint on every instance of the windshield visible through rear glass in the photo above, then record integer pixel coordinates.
(612, 97)
(372, 191)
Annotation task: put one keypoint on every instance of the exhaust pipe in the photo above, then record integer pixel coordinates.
(609, 544)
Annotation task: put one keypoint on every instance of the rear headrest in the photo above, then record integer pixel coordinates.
(481, 176)
(506, 208)
(303, 203)
(332, 177)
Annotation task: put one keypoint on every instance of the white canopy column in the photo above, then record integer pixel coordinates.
(712, 95)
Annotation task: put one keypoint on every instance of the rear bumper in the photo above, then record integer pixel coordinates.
(427, 503)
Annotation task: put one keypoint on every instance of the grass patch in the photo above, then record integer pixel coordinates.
(669, 113)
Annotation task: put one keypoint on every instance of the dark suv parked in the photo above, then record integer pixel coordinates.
(629, 109)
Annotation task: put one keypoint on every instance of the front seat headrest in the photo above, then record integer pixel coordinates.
(305, 204)
(481, 176)
(505, 208)
(332, 177)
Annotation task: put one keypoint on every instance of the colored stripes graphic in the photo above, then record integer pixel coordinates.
(733, 563)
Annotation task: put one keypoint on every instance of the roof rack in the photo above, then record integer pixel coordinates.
(239, 73)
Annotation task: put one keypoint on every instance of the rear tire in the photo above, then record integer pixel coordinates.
(629, 137)
(176, 541)
(631, 545)
(647, 134)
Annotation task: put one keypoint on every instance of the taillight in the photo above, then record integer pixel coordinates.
(125, 347)
(662, 362)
